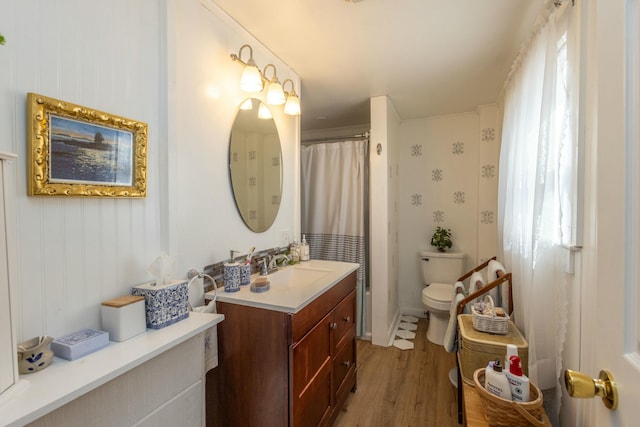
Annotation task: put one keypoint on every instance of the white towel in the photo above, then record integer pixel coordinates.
(499, 294)
(450, 335)
(493, 268)
(459, 285)
(476, 282)
(210, 348)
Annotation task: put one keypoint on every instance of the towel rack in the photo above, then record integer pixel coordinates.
(502, 278)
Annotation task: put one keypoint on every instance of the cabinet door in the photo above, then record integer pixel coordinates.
(344, 319)
(311, 376)
(344, 361)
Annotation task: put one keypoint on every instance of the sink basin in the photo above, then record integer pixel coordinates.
(297, 276)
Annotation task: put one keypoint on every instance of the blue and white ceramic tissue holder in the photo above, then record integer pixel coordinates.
(79, 344)
(164, 304)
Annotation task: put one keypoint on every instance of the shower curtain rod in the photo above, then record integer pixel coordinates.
(335, 138)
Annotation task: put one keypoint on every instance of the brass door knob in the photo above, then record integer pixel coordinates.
(583, 386)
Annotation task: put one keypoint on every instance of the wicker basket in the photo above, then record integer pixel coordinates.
(506, 413)
(490, 322)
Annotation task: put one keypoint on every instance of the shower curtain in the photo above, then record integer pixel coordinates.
(334, 193)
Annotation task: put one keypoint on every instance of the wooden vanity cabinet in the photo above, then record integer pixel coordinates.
(283, 369)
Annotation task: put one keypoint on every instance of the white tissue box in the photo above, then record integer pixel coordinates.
(79, 344)
(124, 317)
(164, 304)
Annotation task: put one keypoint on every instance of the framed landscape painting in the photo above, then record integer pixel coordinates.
(78, 151)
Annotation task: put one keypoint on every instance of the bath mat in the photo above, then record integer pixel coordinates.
(403, 332)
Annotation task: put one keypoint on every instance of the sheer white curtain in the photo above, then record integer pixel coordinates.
(334, 186)
(536, 202)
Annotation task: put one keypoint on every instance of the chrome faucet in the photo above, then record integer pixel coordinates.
(273, 265)
(264, 271)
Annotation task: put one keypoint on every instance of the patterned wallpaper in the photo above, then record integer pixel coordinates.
(487, 172)
(448, 178)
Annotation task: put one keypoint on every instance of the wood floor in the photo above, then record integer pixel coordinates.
(402, 388)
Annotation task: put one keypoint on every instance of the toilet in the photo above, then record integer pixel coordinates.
(440, 270)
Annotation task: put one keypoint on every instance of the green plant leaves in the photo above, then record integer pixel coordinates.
(441, 239)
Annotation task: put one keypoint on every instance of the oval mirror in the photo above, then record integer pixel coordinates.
(255, 165)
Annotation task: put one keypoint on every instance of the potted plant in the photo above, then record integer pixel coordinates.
(441, 239)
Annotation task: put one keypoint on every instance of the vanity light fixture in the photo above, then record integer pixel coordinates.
(275, 94)
(251, 80)
(292, 106)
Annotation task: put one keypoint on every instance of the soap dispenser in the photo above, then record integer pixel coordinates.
(517, 380)
(496, 382)
(304, 249)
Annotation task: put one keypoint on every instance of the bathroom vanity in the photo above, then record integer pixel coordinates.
(287, 357)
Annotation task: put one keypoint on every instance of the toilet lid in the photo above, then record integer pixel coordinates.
(438, 294)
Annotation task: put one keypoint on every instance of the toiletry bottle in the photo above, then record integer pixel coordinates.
(512, 350)
(496, 382)
(304, 249)
(518, 381)
(295, 252)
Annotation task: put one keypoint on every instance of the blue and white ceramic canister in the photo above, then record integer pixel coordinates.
(245, 274)
(231, 277)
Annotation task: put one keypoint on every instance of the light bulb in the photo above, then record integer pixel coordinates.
(292, 107)
(264, 112)
(251, 80)
(275, 94)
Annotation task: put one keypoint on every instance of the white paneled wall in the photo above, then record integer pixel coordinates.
(73, 253)
(164, 62)
(448, 178)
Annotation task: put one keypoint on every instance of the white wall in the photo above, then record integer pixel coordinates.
(384, 220)
(151, 61)
(448, 177)
(204, 222)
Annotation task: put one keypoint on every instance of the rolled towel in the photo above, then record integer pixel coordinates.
(450, 335)
(458, 288)
(497, 293)
(493, 268)
(476, 282)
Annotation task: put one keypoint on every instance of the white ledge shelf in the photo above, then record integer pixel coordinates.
(37, 394)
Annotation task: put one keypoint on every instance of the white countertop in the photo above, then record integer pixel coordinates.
(290, 299)
(37, 394)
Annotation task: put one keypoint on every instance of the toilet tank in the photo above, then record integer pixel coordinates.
(441, 267)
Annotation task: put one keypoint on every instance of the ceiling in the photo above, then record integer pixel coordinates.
(430, 57)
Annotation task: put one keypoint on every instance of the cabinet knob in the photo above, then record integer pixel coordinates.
(347, 319)
(333, 325)
(347, 363)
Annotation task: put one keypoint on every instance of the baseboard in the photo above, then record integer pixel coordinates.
(394, 325)
(417, 312)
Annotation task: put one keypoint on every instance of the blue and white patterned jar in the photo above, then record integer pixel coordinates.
(231, 277)
(245, 274)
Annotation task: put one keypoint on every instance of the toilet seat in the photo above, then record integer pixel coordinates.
(437, 296)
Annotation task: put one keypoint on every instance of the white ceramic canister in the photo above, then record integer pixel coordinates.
(124, 317)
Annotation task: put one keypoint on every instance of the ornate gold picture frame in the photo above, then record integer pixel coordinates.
(78, 151)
